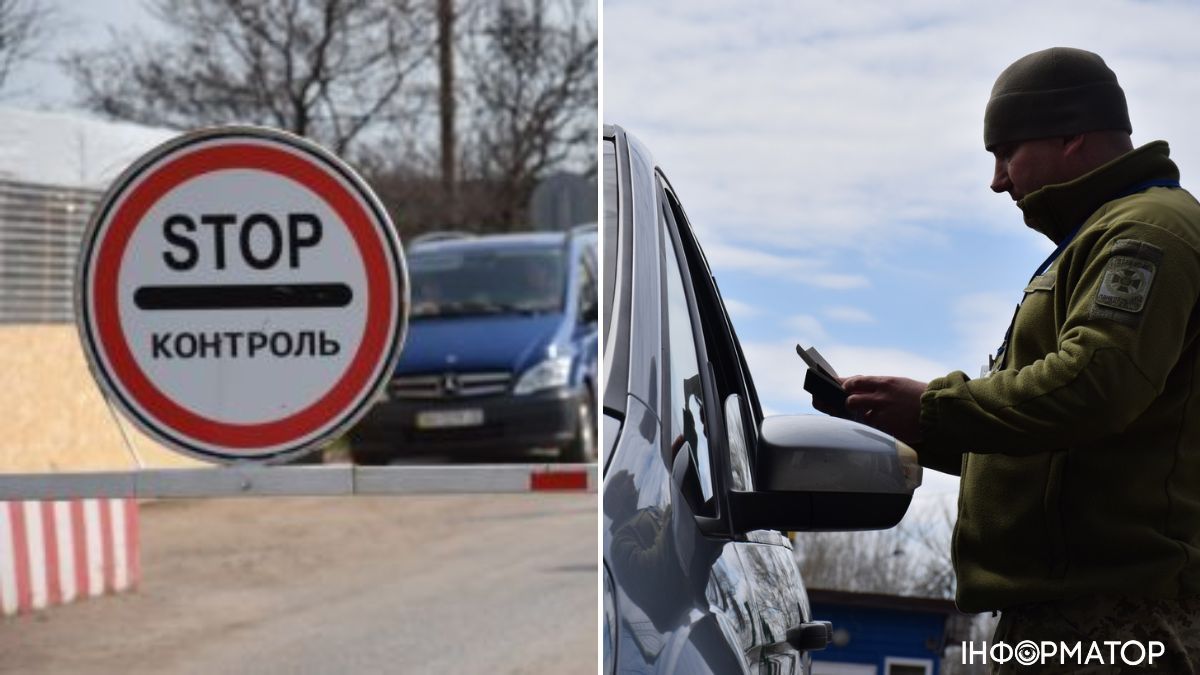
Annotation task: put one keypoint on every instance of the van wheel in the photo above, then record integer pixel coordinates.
(311, 457)
(582, 448)
(369, 454)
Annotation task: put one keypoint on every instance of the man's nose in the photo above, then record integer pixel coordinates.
(1000, 181)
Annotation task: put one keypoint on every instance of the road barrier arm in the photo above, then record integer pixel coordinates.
(279, 481)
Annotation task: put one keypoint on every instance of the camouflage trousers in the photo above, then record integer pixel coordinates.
(1100, 620)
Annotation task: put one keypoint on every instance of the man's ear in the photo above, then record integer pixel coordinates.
(1073, 145)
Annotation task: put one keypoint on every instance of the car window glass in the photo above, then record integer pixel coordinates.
(731, 377)
(725, 349)
(587, 286)
(456, 283)
(756, 414)
(739, 454)
(686, 392)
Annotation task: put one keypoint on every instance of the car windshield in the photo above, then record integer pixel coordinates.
(466, 282)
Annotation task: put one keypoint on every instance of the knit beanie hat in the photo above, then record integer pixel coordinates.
(1055, 92)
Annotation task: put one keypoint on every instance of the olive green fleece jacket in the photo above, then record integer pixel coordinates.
(1080, 452)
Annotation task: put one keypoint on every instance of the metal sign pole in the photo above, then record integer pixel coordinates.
(129, 446)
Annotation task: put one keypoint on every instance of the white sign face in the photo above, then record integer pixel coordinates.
(242, 295)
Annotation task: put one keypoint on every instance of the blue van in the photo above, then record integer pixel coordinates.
(501, 350)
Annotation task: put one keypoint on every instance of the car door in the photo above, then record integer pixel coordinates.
(779, 598)
(687, 421)
(681, 598)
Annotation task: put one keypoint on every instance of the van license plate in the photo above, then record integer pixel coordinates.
(441, 419)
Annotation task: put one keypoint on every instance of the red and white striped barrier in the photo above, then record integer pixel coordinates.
(327, 480)
(545, 479)
(54, 552)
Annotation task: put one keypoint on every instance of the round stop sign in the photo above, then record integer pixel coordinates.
(241, 295)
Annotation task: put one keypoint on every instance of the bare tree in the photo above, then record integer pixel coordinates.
(327, 69)
(446, 17)
(910, 559)
(929, 540)
(532, 94)
(867, 562)
(24, 24)
(976, 629)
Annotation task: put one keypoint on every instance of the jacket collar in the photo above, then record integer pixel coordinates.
(1056, 210)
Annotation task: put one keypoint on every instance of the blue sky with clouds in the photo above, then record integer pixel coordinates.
(830, 157)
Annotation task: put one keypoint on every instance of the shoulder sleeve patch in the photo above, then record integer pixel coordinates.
(1126, 282)
(1044, 282)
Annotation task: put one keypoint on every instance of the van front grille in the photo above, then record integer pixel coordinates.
(450, 385)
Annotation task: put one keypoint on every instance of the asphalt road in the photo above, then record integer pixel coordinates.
(446, 584)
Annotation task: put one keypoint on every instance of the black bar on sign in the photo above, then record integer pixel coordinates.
(243, 296)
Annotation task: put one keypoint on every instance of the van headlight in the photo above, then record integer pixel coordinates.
(553, 372)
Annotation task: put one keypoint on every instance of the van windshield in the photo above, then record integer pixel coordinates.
(514, 281)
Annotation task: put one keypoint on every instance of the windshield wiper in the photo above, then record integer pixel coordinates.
(472, 307)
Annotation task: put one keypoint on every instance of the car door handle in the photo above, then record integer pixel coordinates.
(811, 636)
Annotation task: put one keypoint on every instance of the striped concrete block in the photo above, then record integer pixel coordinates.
(54, 552)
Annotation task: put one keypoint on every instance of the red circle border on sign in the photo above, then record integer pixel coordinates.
(123, 365)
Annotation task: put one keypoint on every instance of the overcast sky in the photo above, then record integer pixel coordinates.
(41, 84)
(830, 157)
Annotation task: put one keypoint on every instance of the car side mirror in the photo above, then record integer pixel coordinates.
(823, 473)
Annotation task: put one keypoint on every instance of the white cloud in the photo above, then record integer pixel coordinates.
(855, 360)
(803, 270)
(778, 372)
(934, 507)
(858, 126)
(806, 330)
(935, 485)
(740, 310)
(980, 321)
(778, 375)
(848, 314)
